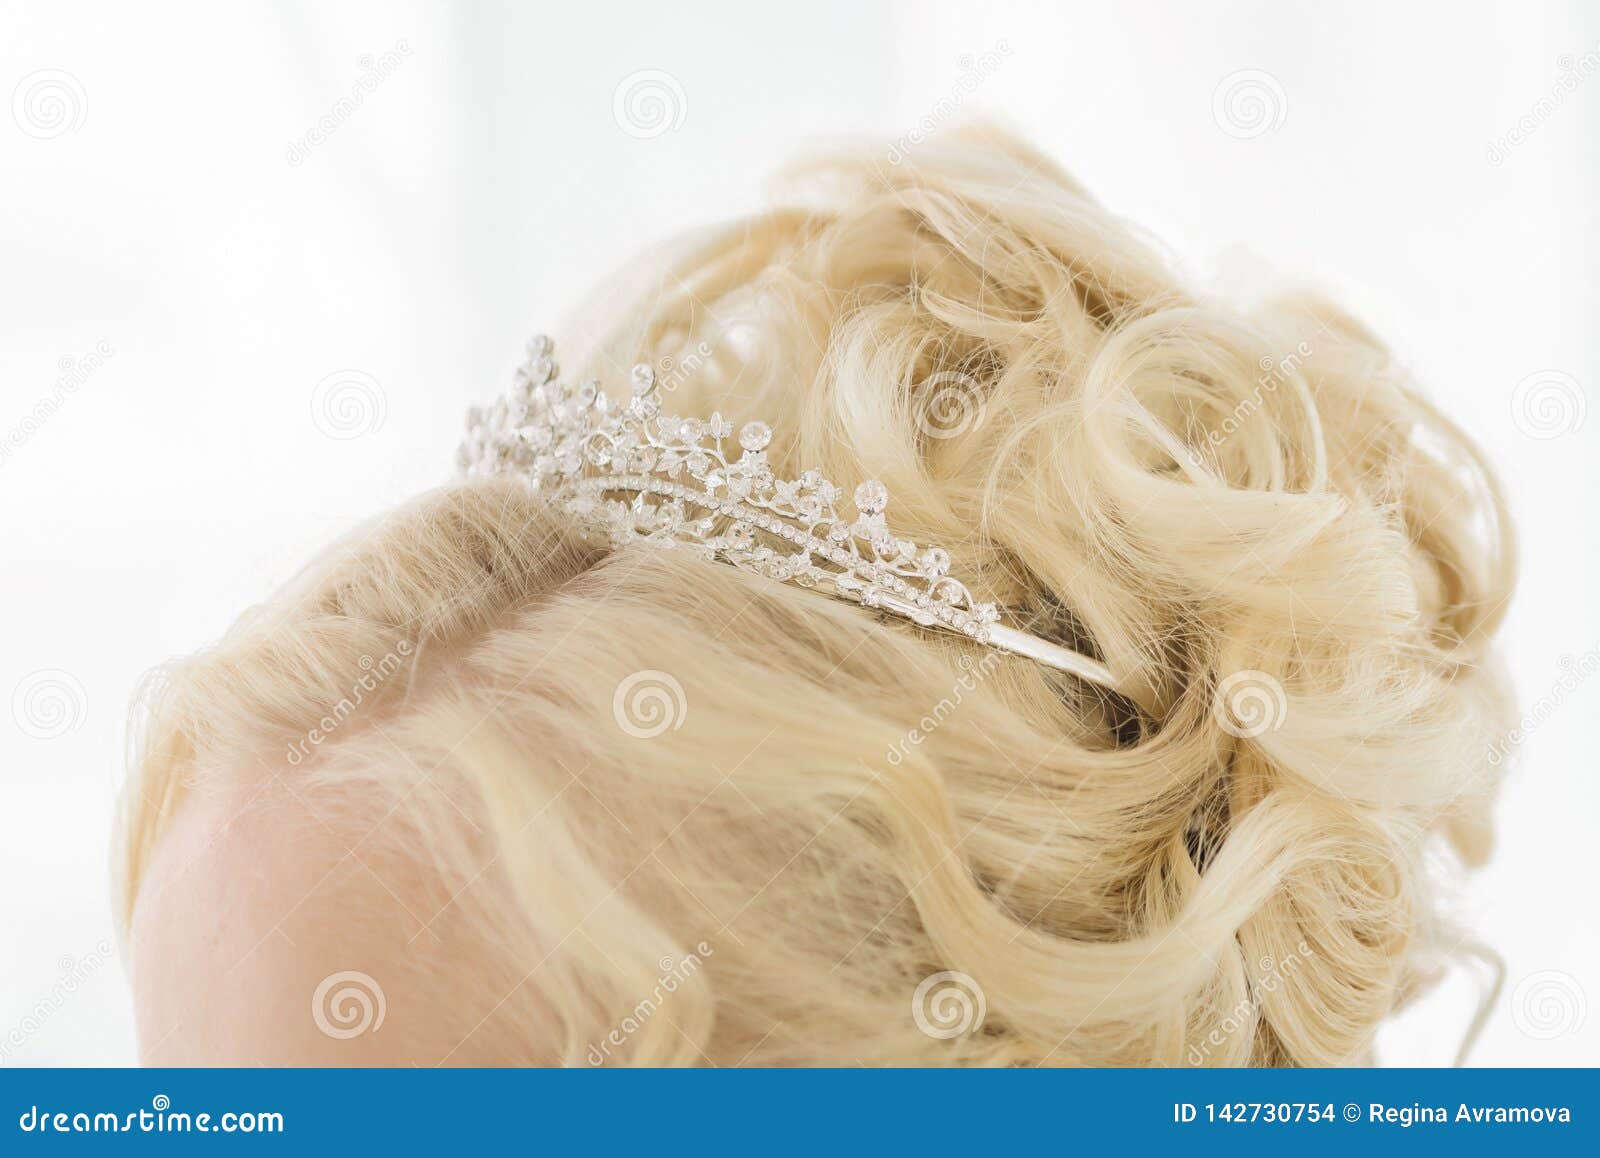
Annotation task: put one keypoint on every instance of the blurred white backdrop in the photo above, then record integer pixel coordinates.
(238, 315)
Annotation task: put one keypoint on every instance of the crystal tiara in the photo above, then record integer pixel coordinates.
(627, 472)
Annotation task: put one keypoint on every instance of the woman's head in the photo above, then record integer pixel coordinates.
(731, 819)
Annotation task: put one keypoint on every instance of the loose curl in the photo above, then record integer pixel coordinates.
(1252, 507)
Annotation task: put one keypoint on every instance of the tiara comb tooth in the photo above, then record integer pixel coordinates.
(627, 472)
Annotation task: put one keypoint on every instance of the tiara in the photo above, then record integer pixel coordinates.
(630, 473)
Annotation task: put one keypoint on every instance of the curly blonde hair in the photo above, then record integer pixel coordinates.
(731, 820)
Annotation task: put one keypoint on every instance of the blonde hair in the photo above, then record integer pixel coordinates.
(882, 845)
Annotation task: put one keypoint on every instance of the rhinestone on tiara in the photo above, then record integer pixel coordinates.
(629, 472)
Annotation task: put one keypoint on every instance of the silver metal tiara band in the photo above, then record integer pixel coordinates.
(629, 473)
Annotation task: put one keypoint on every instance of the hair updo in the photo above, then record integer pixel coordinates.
(856, 841)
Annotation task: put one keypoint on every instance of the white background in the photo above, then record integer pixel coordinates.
(487, 180)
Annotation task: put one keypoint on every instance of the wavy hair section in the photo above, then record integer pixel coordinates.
(1253, 507)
